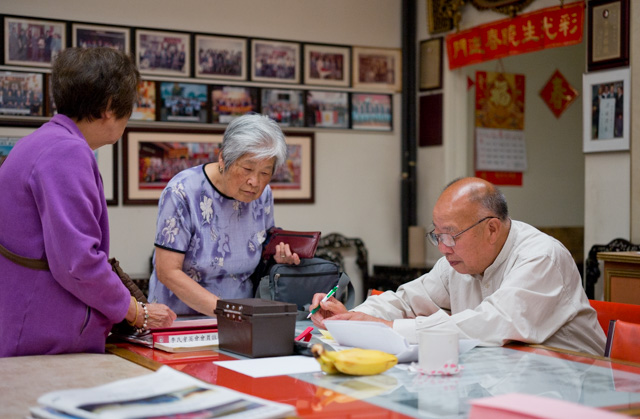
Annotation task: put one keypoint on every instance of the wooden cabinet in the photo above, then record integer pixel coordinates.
(621, 276)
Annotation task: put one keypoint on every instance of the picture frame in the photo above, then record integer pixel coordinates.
(229, 102)
(327, 109)
(9, 136)
(22, 94)
(285, 106)
(107, 157)
(377, 69)
(326, 65)
(163, 53)
(431, 64)
(430, 123)
(220, 57)
(606, 107)
(20, 47)
(275, 61)
(50, 104)
(88, 36)
(152, 156)
(371, 111)
(144, 109)
(294, 182)
(608, 34)
(183, 102)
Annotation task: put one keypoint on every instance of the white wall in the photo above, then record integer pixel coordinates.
(357, 174)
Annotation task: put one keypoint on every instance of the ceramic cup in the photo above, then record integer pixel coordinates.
(438, 352)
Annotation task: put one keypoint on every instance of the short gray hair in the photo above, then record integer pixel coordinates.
(491, 199)
(253, 134)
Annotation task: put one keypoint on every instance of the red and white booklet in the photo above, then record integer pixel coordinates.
(190, 323)
(189, 333)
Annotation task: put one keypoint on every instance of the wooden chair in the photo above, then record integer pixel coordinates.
(592, 268)
(623, 341)
(608, 311)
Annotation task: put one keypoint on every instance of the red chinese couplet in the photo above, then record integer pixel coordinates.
(546, 28)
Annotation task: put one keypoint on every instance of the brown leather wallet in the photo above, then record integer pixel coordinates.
(304, 243)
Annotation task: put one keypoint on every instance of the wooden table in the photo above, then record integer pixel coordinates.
(621, 276)
(25, 378)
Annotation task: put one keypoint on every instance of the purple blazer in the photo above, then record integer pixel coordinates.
(52, 204)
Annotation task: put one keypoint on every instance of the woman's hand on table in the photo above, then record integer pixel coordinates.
(159, 316)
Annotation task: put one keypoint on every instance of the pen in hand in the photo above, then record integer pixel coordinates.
(326, 297)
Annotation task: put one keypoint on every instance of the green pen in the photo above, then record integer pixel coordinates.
(326, 297)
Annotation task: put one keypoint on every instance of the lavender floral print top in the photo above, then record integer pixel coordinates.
(221, 238)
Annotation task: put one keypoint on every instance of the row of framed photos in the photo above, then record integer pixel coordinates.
(150, 157)
(35, 42)
(26, 94)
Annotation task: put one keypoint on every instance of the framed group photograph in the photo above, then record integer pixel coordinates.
(327, 65)
(275, 61)
(183, 102)
(9, 136)
(151, 157)
(606, 116)
(294, 181)
(91, 36)
(163, 53)
(145, 107)
(431, 64)
(221, 57)
(371, 111)
(107, 157)
(327, 109)
(608, 38)
(285, 106)
(229, 102)
(21, 94)
(49, 103)
(377, 69)
(32, 42)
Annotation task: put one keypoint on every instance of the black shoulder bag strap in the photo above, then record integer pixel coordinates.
(37, 264)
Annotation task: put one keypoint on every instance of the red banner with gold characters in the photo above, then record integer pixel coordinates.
(546, 28)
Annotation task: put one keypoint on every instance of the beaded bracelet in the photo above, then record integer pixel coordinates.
(146, 318)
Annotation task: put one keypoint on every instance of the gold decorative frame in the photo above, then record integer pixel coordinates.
(445, 15)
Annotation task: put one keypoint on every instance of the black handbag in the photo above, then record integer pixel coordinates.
(298, 283)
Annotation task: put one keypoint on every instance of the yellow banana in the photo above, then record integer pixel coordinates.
(353, 361)
(325, 361)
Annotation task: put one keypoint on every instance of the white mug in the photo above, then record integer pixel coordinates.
(438, 351)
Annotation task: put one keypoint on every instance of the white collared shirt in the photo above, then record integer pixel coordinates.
(531, 293)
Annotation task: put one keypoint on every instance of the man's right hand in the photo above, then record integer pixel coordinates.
(328, 308)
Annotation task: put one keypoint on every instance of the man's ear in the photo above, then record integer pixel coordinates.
(495, 226)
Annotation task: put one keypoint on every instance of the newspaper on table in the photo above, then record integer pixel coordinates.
(165, 393)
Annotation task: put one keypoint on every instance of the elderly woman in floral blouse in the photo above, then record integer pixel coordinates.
(213, 219)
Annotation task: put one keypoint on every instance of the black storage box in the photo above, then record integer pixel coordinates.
(256, 328)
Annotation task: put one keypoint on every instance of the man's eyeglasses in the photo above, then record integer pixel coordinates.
(447, 239)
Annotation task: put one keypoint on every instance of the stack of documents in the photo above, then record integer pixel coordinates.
(165, 393)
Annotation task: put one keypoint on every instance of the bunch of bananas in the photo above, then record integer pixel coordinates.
(353, 361)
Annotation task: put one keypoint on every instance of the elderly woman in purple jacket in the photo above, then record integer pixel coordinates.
(59, 293)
